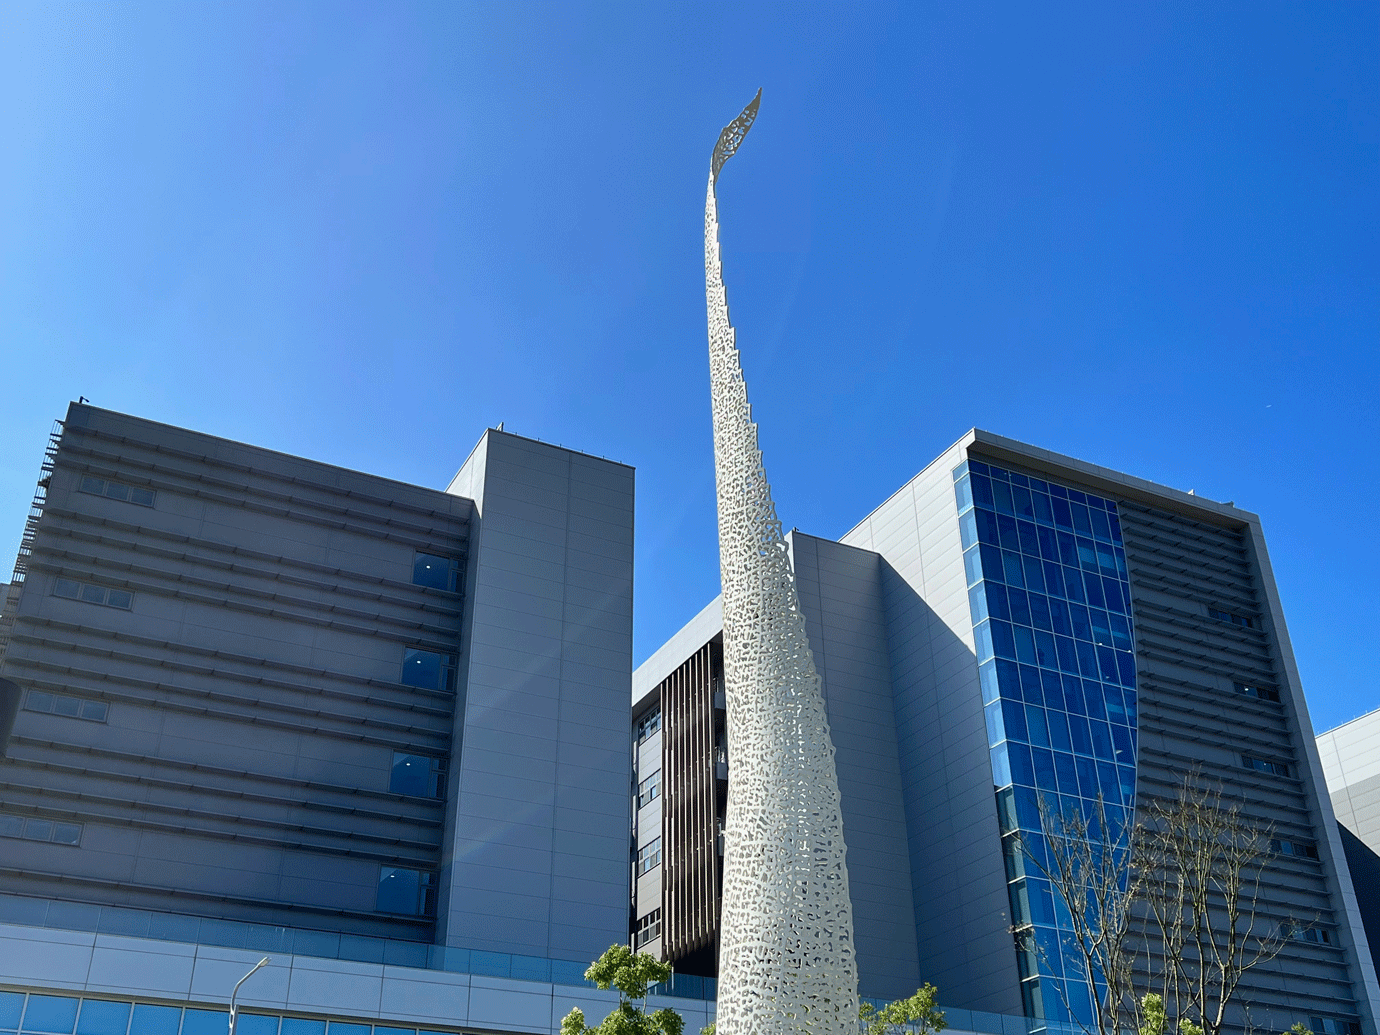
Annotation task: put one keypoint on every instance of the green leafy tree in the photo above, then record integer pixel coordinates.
(631, 973)
(919, 1013)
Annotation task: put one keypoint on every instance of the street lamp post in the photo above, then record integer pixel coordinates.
(233, 1014)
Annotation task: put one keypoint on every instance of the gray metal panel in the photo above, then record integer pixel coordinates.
(958, 879)
(841, 598)
(252, 687)
(546, 685)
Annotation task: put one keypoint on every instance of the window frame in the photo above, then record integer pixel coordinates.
(130, 491)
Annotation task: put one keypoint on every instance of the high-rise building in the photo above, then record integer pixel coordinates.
(1013, 625)
(1351, 762)
(257, 705)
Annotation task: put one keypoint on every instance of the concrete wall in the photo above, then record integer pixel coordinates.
(537, 848)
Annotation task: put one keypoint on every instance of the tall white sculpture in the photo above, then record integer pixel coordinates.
(786, 959)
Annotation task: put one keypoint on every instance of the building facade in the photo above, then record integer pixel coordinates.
(1351, 763)
(258, 703)
(1010, 626)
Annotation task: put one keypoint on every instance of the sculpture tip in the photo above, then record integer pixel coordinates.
(732, 136)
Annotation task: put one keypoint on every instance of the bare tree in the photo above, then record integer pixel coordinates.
(1199, 864)
(1086, 859)
(1166, 913)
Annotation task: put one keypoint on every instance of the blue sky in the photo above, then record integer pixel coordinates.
(1141, 235)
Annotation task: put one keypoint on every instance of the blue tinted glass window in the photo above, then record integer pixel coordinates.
(1035, 726)
(50, 1013)
(982, 640)
(421, 668)
(1059, 616)
(411, 774)
(1066, 773)
(1092, 697)
(1017, 479)
(1044, 767)
(1106, 661)
(1001, 495)
(1044, 649)
(1054, 579)
(1030, 685)
(155, 1020)
(380, 1030)
(963, 492)
(998, 473)
(977, 603)
(1068, 549)
(972, 566)
(399, 891)
(1102, 630)
(1044, 515)
(1068, 656)
(1013, 720)
(1126, 668)
(998, 604)
(1082, 626)
(977, 465)
(1007, 536)
(1102, 740)
(1053, 692)
(1039, 612)
(967, 529)
(991, 563)
(1077, 496)
(1082, 739)
(982, 491)
(1116, 527)
(960, 470)
(1011, 569)
(1087, 776)
(11, 1006)
(1121, 741)
(1121, 632)
(1063, 516)
(342, 1028)
(1081, 524)
(991, 689)
(1022, 769)
(301, 1026)
(987, 527)
(1001, 766)
(1112, 593)
(1073, 585)
(255, 1024)
(1025, 507)
(1073, 695)
(431, 570)
(1093, 584)
(1034, 574)
(1087, 554)
(996, 733)
(1003, 642)
(1111, 785)
(1030, 543)
(1100, 526)
(1106, 560)
(1025, 645)
(1020, 606)
(100, 1017)
(205, 1022)
(1049, 543)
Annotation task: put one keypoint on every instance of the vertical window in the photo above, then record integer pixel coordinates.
(436, 571)
(648, 856)
(649, 789)
(419, 775)
(408, 892)
(649, 724)
(428, 669)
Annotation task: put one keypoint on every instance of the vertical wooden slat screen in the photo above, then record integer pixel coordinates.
(690, 874)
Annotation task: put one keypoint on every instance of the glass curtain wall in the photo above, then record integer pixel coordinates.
(1051, 610)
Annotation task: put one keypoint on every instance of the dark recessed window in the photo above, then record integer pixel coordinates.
(70, 707)
(409, 892)
(1265, 765)
(419, 775)
(1245, 621)
(91, 593)
(1260, 693)
(428, 669)
(117, 491)
(1303, 849)
(437, 572)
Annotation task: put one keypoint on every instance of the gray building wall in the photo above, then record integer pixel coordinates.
(1350, 757)
(958, 878)
(537, 847)
(249, 693)
(841, 598)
